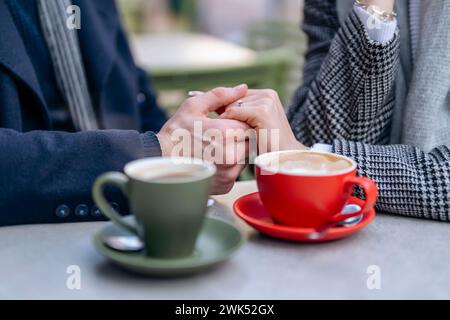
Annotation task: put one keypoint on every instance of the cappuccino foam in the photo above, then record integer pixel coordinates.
(308, 163)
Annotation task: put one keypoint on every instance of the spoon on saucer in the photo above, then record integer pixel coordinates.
(132, 243)
(350, 222)
(124, 243)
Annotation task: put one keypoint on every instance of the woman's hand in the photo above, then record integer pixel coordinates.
(262, 110)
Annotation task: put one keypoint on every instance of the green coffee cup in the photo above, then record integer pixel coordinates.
(168, 197)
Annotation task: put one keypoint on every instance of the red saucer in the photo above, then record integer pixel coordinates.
(250, 209)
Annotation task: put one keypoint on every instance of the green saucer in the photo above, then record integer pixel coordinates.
(216, 242)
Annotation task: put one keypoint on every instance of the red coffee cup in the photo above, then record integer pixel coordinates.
(310, 200)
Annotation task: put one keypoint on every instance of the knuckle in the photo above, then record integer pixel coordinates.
(232, 176)
(267, 101)
(227, 188)
(219, 92)
(190, 103)
(265, 110)
(222, 189)
(271, 93)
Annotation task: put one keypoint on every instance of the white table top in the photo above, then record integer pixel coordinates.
(188, 51)
(413, 256)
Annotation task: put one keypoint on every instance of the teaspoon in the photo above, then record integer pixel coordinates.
(132, 243)
(349, 209)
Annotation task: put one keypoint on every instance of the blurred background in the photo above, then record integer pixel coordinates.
(200, 44)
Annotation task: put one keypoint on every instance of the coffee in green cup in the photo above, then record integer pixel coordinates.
(168, 197)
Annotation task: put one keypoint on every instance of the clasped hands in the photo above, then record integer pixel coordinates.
(244, 116)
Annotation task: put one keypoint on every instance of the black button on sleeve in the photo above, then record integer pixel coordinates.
(82, 210)
(96, 212)
(63, 211)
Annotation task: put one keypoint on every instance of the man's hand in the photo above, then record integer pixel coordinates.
(192, 115)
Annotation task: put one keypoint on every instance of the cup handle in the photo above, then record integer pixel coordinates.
(371, 192)
(120, 180)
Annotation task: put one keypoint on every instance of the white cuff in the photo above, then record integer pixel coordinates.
(321, 147)
(378, 30)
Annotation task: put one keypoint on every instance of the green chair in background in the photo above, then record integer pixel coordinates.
(186, 10)
(269, 70)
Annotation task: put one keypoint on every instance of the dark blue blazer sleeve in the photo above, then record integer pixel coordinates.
(42, 170)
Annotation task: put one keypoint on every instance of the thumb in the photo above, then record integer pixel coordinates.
(220, 97)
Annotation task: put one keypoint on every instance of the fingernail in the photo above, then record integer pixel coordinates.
(241, 86)
(195, 93)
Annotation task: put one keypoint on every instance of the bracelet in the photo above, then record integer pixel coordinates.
(375, 10)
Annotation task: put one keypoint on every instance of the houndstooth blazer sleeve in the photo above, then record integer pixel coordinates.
(347, 101)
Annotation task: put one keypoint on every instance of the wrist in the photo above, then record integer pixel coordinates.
(385, 5)
(382, 9)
